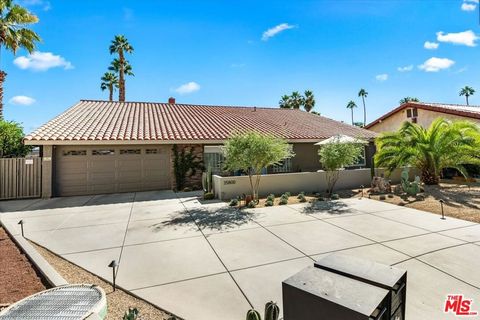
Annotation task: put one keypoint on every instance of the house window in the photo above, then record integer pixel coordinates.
(151, 151)
(414, 120)
(360, 160)
(284, 166)
(130, 151)
(103, 152)
(74, 153)
(214, 161)
(415, 112)
(409, 113)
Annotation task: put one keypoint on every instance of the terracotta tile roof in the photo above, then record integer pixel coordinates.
(455, 109)
(91, 120)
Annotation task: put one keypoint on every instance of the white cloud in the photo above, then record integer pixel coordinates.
(430, 45)
(468, 6)
(436, 64)
(188, 88)
(22, 100)
(467, 38)
(381, 77)
(42, 61)
(276, 30)
(406, 68)
(44, 4)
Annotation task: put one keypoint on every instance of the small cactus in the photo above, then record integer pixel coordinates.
(253, 315)
(132, 314)
(272, 311)
(268, 203)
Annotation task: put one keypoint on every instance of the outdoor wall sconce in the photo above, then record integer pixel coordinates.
(114, 266)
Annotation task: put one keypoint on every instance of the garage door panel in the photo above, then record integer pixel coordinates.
(89, 172)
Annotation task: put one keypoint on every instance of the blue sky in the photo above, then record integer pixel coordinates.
(220, 52)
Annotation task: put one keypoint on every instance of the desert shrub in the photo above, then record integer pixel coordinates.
(268, 203)
(288, 194)
(302, 198)
(335, 196)
(251, 204)
(301, 195)
(283, 201)
(271, 197)
(233, 202)
(208, 196)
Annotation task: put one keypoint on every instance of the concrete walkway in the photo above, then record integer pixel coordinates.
(209, 261)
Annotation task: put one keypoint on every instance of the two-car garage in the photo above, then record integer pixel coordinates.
(84, 170)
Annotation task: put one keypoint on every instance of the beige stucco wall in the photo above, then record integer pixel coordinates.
(230, 187)
(425, 118)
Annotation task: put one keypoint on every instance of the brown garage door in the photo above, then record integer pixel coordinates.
(108, 169)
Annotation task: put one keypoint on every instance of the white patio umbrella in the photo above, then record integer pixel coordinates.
(340, 138)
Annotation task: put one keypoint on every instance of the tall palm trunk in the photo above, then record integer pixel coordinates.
(2, 80)
(352, 115)
(364, 112)
(110, 89)
(466, 97)
(121, 77)
(429, 178)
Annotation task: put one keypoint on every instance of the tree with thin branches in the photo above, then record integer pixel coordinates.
(120, 46)
(467, 92)
(351, 105)
(363, 94)
(15, 34)
(110, 82)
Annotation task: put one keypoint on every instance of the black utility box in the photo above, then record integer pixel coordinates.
(318, 294)
(386, 277)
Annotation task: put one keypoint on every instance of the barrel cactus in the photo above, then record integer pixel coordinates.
(253, 315)
(272, 311)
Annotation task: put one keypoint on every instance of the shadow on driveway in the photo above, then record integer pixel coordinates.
(219, 219)
(332, 207)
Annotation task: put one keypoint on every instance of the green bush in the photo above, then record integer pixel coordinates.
(301, 195)
(208, 196)
(233, 202)
(271, 197)
(283, 201)
(132, 314)
(302, 198)
(251, 204)
(335, 196)
(288, 194)
(268, 203)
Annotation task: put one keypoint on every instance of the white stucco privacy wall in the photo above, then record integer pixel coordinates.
(230, 187)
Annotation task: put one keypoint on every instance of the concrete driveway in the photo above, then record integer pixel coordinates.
(208, 261)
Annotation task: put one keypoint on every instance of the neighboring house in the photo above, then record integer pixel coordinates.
(104, 147)
(423, 113)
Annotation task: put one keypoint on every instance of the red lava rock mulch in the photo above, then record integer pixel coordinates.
(18, 278)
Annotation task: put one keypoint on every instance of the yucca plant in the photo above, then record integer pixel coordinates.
(445, 144)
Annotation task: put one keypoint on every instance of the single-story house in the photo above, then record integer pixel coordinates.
(105, 147)
(423, 113)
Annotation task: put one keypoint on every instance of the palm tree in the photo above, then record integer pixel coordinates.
(121, 46)
(444, 144)
(284, 102)
(110, 82)
(351, 105)
(467, 92)
(408, 99)
(121, 68)
(308, 101)
(296, 100)
(363, 93)
(15, 34)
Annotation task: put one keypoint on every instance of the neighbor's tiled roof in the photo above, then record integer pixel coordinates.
(455, 109)
(91, 120)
